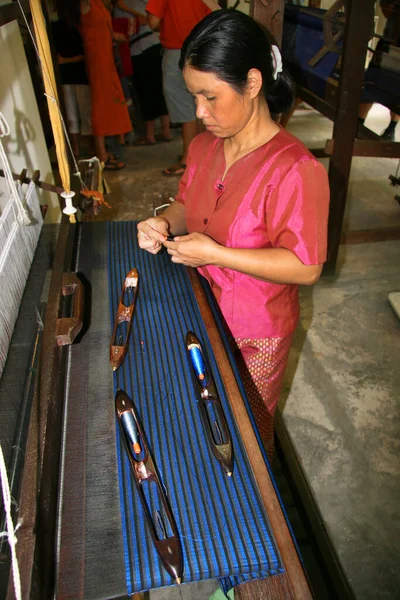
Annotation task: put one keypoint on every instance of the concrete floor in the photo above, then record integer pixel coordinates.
(341, 394)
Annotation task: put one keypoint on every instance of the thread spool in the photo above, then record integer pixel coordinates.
(69, 209)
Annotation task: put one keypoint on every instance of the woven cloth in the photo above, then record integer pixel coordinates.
(222, 523)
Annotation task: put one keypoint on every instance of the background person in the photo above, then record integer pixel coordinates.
(145, 50)
(252, 207)
(74, 81)
(110, 115)
(175, 19)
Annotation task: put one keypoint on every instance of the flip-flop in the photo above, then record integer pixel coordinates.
(112, 164)
(174, 170)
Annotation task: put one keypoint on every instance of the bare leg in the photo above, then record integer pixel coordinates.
(100, 147)
(111, 162)
(189, 131)
(165, 127)
(150, 132)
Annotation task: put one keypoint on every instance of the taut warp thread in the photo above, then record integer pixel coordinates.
(18, 242)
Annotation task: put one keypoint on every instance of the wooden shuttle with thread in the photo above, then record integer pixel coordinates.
(119, 347)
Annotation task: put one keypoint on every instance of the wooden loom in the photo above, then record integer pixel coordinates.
(37, 538)
(341, 104)
(39, 488)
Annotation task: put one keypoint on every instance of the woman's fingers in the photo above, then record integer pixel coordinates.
(151, 234)
(155, 228)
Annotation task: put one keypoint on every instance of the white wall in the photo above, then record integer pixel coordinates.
(26, 146)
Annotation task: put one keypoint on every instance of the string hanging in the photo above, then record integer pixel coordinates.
(61, 138)
(42, 48)
(22, 216)
(11, 537)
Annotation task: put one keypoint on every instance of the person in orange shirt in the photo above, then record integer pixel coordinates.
(175, 19)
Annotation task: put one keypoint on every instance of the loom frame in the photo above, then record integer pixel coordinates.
(343, 111)
(39, 494)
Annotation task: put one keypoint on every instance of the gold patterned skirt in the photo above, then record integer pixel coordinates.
(262, 365)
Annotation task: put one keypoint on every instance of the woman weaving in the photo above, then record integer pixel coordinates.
(252, 206)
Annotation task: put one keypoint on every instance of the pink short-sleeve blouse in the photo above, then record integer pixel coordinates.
(275, 197)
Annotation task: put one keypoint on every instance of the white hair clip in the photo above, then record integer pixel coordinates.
(276, 60)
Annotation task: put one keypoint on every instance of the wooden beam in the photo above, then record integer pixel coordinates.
(379, 148)
(270, 15)
(275, 587)
(369, 236)
(322, 106)
(23, 178)
(359, 19)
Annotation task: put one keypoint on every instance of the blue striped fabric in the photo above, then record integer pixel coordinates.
(222, 523)
(218, 320)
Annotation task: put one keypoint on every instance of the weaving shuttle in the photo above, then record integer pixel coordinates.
(214, 420)
(119, 348)
(168, 547)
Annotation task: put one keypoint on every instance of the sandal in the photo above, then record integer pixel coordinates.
(113, 164)
(174, 171)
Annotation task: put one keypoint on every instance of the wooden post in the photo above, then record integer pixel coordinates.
(269, 14)
(358, 30)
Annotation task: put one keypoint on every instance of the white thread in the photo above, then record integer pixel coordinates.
(20, 225)
(277, 61)
(4, 126)
(22, 216)
(5, 533)
(69, 208)
(39, 320)
(17, 247)
(12, 540)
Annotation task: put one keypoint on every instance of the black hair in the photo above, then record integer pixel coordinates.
(229, 43)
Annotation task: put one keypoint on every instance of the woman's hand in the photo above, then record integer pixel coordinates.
(193, 250)
(152, 233)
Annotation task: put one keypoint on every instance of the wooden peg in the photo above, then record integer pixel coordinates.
(23, 175)
(35, 178)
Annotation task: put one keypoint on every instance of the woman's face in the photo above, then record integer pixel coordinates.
(223, 111)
